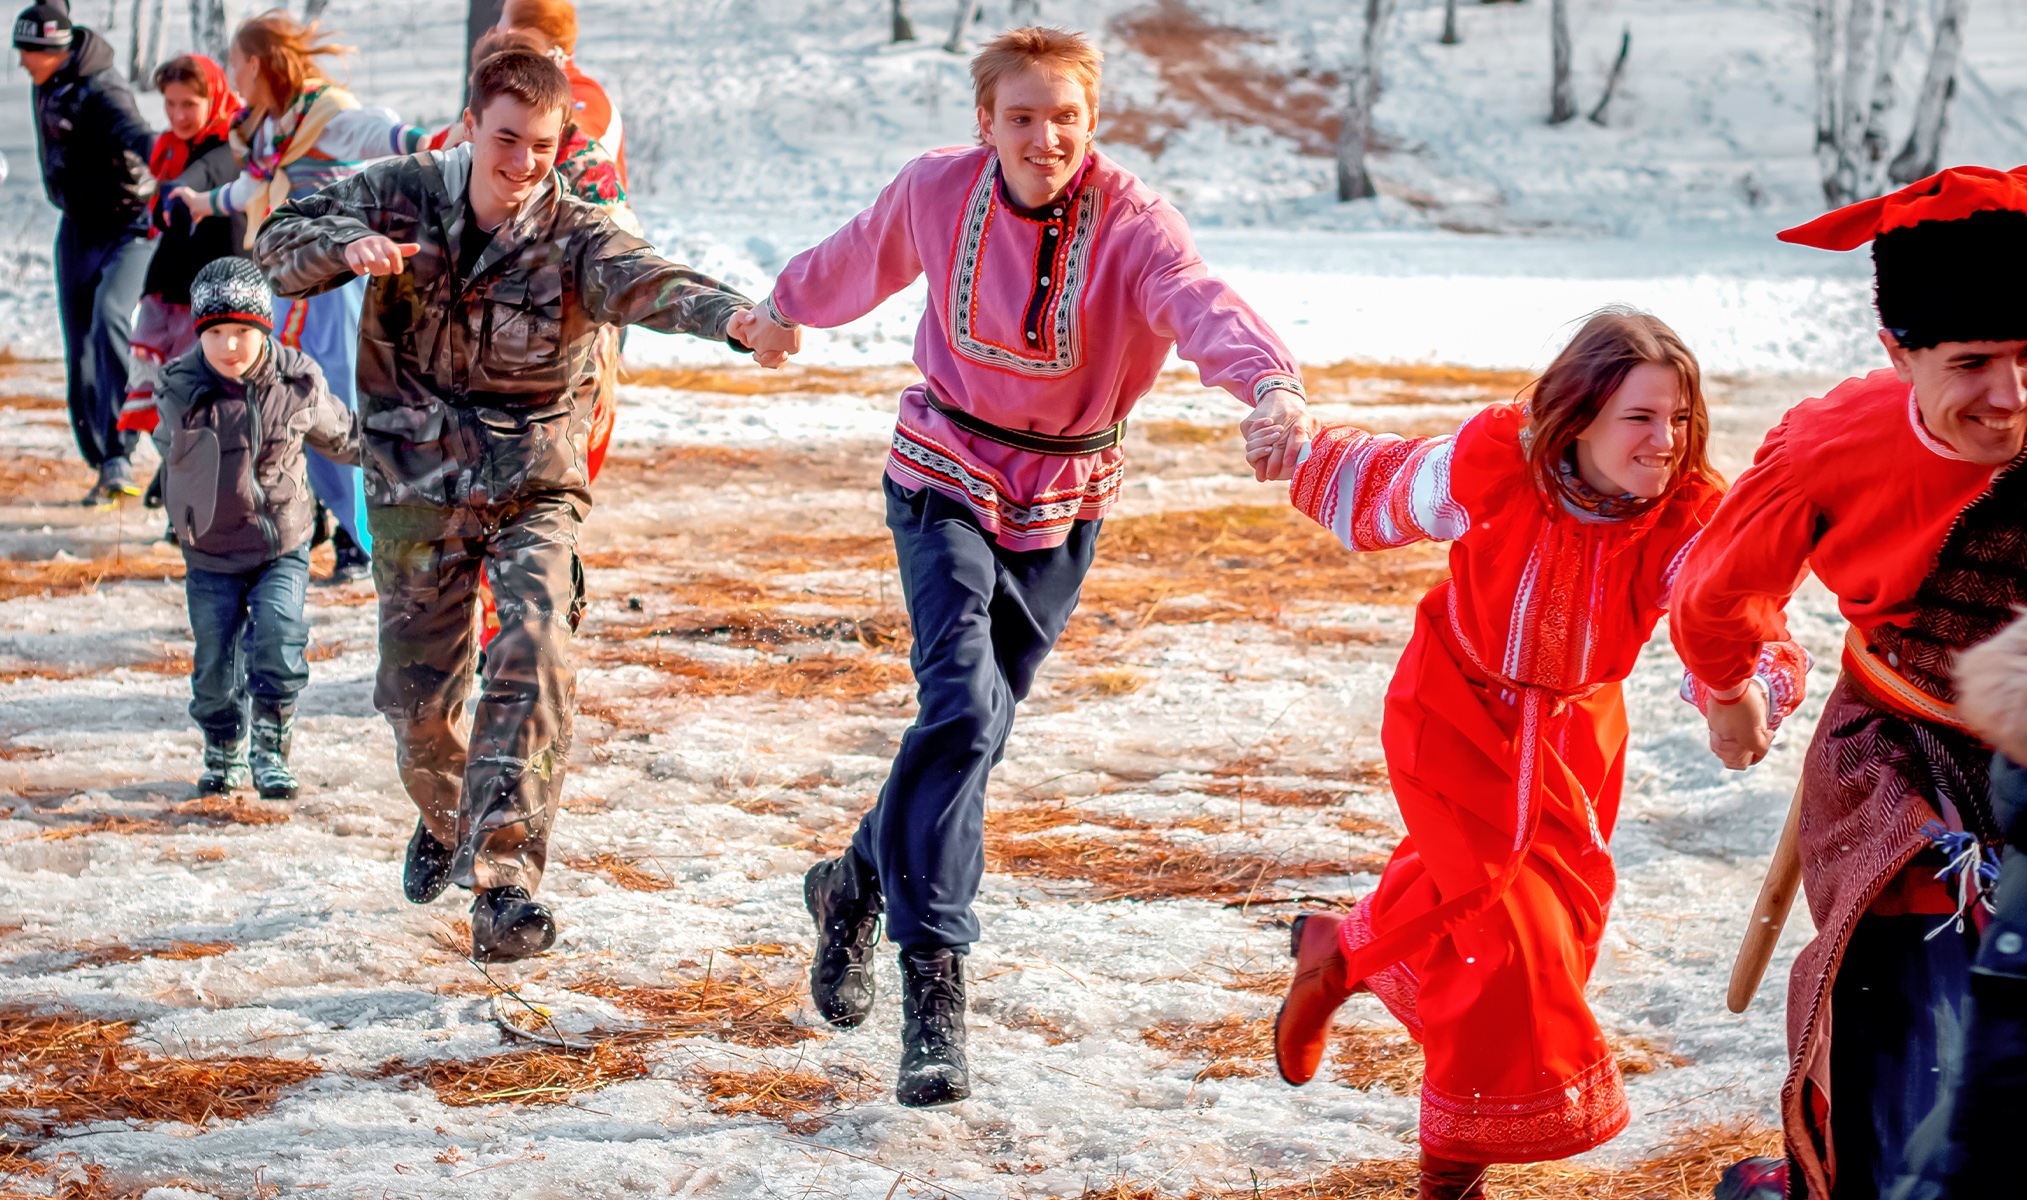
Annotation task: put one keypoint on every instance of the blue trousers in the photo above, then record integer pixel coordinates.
(984, 617)
(1896, 1042)
(98, 286)
(326, 327)
(251, 634)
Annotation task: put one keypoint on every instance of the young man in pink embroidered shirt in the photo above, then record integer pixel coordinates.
(1058, 284)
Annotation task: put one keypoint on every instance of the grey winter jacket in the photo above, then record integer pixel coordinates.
(235, 483)
(477, 391)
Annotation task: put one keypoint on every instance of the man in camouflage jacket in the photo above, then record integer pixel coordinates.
(476, 383)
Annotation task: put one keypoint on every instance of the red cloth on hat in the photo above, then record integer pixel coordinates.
(172, 154)
(1948, 195)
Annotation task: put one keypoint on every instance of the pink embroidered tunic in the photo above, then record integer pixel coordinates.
(1053, 320)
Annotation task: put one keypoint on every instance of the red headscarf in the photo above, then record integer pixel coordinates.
(172, 154)
(1948, 195)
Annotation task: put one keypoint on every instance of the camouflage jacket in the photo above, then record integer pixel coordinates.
(478, 392)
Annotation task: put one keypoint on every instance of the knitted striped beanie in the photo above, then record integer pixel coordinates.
(231, 289)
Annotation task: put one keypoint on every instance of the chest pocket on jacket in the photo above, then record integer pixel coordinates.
(524, 320)
(191, 483)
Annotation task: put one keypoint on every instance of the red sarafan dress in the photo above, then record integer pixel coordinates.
(1505, 739)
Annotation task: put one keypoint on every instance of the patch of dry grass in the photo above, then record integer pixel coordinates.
(842, 677)
(230, 810)
(535, 1076)
(800, 1100)
(119, 952)
(73, 1068)
(753, 381)
(66, 578)
(1135, 861)
(623, 872)
(737, 1005)
(1184, 433)
(1687, 1167)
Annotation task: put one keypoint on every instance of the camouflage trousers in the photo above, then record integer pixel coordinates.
(487, 784)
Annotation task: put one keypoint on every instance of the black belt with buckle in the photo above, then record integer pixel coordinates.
(1024, 439)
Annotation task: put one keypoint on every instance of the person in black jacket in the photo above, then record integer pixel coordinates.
(94, 149)
(193, 152)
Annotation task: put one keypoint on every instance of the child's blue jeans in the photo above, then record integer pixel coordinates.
(251, 634)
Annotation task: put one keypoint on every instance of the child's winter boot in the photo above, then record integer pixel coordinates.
(224, 766)
(273, 731)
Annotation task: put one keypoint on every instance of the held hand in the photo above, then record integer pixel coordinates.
(1738, 730)
(771, 343)
(1275, 432)
(376, 255)
(199, 203)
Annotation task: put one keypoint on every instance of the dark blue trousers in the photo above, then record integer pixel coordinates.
(984, 617)
(1896, 1043)
(98, 286)
(251, 635)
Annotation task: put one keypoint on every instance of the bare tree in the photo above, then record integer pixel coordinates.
(313, 10)
(1618, 71)
(1858, 45)
(1923, 152)
(1562, 104)
(904, 29)
(135, 52)
(207, 27)
(1354, 135)
(967, 12)
(1450, 37)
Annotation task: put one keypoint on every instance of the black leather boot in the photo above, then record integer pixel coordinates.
(507, 924)
(428, 869)
(933, 1069)
(844, 898)
(274, 733)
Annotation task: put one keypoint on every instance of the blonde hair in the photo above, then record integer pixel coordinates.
(283, 48)
(555, 20)
(1056, 50)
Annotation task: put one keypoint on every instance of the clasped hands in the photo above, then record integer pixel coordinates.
(1738, 726)
(1275, 432)
(771, 343)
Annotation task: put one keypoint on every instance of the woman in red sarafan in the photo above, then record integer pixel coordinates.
(1505, 735)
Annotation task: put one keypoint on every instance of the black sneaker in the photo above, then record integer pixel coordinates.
(933, 1070)
(428, 871)
(844, 898)
(507, 924)
(1754, 1179)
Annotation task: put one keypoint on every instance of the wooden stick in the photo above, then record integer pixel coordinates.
(1770, 914)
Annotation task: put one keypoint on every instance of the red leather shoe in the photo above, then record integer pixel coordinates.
(1446, 1179)
(1302, 1028)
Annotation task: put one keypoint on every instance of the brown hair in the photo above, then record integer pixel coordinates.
(555, 20)
(529, 76)
(284, 49)
(183, 69)
(1057, 50)
(1577, 385)
(499, 41)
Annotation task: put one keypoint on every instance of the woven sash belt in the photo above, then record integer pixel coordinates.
(1023, 439)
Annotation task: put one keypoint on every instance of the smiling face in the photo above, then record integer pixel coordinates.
(1040, 125)
(513, 148)
(1638, 438)
(186, 109)
(1972, 395)
(232, 348)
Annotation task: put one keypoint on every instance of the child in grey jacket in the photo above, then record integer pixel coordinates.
(236, 413)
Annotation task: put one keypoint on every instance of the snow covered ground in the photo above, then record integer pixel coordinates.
(712, 761)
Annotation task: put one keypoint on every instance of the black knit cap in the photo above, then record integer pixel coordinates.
(231, 289)
(1953, 281)
(43, 27)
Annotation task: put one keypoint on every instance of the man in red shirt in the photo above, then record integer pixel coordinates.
(1905, 492)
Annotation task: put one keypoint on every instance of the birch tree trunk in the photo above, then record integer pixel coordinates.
(207, 28)
(155, 27)
(313, 10)
(1354, 135)
(1894, 19)
(1922, 155)
(1449, 37)
(904, 29)
(966, 10)
(1561, 104)
(136, 60)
